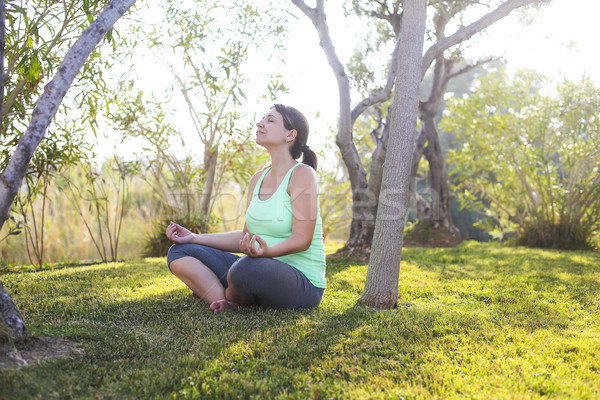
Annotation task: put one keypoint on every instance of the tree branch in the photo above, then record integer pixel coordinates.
(385, 93)
(471, 67)
(467, 32)
(310, 12)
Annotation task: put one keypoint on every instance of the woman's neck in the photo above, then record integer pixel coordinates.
(281, 162)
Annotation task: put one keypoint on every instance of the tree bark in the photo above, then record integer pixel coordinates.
(12, 318)
(381, 286)
(9, 313)
(48, 103)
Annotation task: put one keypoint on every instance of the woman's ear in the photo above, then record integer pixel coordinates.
(291, 136)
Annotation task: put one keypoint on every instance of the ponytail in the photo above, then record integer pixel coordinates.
(309, 157)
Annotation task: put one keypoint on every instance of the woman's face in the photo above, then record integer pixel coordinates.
(271, 131)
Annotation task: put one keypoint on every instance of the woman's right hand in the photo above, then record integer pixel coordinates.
(179, 234)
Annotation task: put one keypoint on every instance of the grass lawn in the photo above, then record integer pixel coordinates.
(477, 321)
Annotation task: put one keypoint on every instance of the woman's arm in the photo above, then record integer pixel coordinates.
(304, 193)
(226, 241)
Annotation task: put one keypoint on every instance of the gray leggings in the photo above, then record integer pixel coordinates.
(273, 283)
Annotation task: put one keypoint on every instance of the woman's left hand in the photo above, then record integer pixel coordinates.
(248, 246)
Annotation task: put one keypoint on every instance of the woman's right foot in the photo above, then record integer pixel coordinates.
(223, 305)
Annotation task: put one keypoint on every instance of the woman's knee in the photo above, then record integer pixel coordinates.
(178, 251)
(242, 271)
(177, 266)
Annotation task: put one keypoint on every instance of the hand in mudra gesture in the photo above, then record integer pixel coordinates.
(248, 246)
(179, 234)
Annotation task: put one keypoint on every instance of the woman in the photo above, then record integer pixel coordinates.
(284, 261)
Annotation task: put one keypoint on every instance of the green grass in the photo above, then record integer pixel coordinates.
(477, 321)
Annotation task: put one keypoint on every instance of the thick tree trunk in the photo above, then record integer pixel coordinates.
(381, 286)
(438, 213)
(12, 318)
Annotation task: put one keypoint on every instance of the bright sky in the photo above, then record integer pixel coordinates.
(561, 41)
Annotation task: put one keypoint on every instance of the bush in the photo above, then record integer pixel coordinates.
(157, 244)
(528, 160)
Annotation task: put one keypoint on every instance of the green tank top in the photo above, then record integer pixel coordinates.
(271, 219)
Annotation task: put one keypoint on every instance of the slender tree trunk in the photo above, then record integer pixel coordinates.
(364, 236)
(381, 286)
(210, 166)
(9, 313)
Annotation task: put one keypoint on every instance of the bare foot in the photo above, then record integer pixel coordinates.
(223, 305)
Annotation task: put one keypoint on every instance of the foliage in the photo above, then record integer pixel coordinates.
(157, 244)
(51, 157)
(73, 218)
(211, 43)
(38, 35)
(478, 321)
(531, 156)
(107, 193)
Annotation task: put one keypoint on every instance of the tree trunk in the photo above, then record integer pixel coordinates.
(9, 313)
(438, 214)
(210, 166)
(362, 199)
(366, 229)
(381, 286)
(12, 318)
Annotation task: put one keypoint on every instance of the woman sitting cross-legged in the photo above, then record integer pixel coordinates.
(284, 261)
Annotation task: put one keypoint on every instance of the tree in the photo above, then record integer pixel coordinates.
(529, 161)
(366, 187)
(41, 117)
(39, 34)
(214, 42)
(381, 290)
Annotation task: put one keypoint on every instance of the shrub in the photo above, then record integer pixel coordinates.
(529, 160)
(157, 244)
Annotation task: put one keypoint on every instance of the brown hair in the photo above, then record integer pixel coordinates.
(293, 119)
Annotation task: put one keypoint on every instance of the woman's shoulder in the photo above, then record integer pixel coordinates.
(303, 176)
